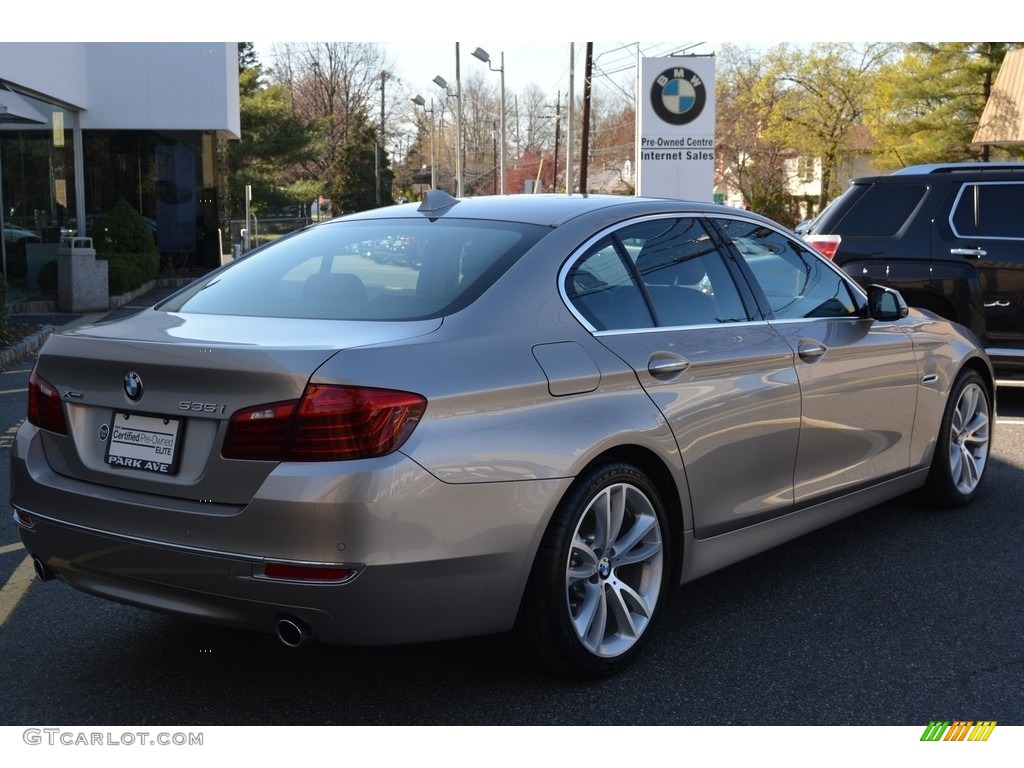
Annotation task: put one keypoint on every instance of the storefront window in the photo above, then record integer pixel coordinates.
(157, 173)
(37, 186)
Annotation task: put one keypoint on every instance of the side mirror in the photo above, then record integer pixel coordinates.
(886, 303)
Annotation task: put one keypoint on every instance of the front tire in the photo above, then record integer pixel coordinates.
(599, 574)
(962, 450)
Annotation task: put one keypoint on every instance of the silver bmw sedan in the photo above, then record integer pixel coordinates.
(522, 413)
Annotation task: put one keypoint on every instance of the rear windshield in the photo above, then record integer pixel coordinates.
(383, 269)
(880, 209)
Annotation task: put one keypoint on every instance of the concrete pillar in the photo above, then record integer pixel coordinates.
(81, 277)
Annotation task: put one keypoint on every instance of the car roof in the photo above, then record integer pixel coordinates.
(940, 168)
(542, 209)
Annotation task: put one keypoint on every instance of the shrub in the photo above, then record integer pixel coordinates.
(126, 242)
(48, 280)
(124, 274)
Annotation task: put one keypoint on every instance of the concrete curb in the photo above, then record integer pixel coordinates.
(29, 345)
(22, 349)
(116, 302)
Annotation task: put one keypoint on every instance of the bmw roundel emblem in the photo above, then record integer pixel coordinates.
(133, 385)
(678, 95)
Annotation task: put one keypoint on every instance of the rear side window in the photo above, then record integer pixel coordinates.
(664, 272)
(989, 209)
(384, 269)
(881, 210)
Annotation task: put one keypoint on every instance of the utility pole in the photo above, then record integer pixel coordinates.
(570, 128)
(558, 133)
(585, 137)
(378, 148)
(459, 160)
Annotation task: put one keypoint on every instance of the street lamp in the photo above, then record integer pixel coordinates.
(419, 100)
(481, 54)
(441, 83)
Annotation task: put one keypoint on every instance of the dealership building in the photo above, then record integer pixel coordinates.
(83, 125)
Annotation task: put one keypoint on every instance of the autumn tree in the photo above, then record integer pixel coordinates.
(612, 139)
(748, 158)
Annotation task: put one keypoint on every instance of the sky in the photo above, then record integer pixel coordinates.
(420, 36)
(543, 64)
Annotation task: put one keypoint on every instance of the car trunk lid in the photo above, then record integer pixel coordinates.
(148, 399)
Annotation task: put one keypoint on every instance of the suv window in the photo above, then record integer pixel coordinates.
(989, 209)
(882, 209)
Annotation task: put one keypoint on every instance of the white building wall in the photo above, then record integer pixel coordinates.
(134, 86)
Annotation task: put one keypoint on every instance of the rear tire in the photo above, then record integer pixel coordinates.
(962, 450)
(599, 574)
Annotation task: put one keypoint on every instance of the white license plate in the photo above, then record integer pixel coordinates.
(149, 443)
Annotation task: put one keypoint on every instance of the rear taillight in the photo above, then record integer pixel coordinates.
(329, 423)
(824, 244)
(45, 410)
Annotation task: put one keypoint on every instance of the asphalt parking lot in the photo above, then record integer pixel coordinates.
(897, 616)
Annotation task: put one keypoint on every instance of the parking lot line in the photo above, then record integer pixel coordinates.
(15, 588)
(11, 548)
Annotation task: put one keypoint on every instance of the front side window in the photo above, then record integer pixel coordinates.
(796, 282)
(382, 269)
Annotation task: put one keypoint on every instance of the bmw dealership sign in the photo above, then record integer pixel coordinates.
(676, 135)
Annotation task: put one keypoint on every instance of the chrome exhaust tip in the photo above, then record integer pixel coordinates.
(294, 633)
(43, 571)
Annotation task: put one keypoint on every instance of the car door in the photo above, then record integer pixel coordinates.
(858, 377)
(660, 295)
(988, 232)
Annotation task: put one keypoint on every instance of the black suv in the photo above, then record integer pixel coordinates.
(949, 237)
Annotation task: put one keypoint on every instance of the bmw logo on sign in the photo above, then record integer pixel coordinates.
(133, 385)
(678, 96)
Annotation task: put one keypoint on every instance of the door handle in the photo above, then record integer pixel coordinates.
(975, 253)
(666, 366)
(811, 350)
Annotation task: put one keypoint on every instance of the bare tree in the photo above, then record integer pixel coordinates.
(481, 109)
(330, 83)
(535, 121)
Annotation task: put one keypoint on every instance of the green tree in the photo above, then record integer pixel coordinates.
(247, 57)
(353, 178)
(928, 103)
(274, 139)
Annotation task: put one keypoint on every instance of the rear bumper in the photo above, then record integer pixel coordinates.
(432, 560)
(381, 605)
